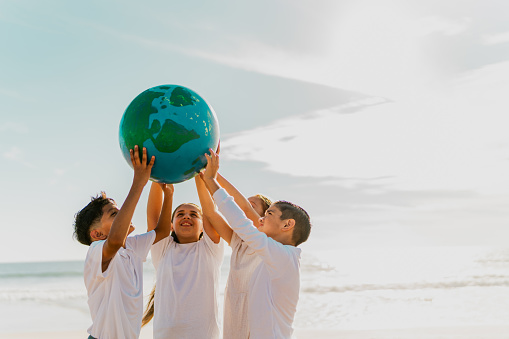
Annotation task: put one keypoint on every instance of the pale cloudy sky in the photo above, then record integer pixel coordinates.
(384, 119)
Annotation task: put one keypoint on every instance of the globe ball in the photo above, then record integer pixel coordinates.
(176, 125)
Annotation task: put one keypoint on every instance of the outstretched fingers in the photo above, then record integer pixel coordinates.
(212, 164)
(144, 156)
(142, 169)
(214, 159)
(152, 160)
(135, 156)
(167, 188)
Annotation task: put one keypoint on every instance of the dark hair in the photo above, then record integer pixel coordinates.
(85, 219)
(302, 226)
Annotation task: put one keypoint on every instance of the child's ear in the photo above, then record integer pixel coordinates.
(289, 225)
(96, 234)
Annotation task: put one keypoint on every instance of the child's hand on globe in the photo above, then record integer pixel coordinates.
(212, 167)
(141, 168)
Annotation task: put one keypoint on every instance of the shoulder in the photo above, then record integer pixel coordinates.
(205, 238)
(294, 254)
(142, 237)
(286, 252)
(216, 249)
(161, 246)
(94, 247)
(291, 250)
(93, 263)
(97, 243)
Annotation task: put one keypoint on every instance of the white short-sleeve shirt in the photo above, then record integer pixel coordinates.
(115, 296)
(186, 296)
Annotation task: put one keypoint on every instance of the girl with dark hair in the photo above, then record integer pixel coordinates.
(187, 274)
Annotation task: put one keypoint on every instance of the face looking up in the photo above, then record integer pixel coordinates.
(271, 222)
(187, 223)
(110, 211)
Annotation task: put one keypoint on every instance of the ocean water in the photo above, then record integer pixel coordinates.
(351, 289)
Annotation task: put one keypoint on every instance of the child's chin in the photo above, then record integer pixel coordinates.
(131, 229)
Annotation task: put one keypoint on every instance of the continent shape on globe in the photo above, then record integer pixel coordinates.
(176, 125)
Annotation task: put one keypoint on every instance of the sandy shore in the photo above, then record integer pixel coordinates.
(473, 332)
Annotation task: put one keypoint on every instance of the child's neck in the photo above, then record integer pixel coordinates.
(187, 240)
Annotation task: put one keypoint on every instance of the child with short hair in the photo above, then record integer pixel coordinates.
(113, 271)
(268, 259)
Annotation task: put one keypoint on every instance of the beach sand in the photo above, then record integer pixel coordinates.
(473, 332)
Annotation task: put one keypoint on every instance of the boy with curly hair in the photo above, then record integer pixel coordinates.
(113, 271)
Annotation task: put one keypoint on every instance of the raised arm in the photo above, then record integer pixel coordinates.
(272, 252)
(212, 219)
(240, 199)
(163, 227)
(154, 205)
(120, 226)
(209, 176)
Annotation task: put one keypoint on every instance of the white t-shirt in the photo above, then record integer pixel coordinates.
(273, 287)
(244, 261)
(115, 296)
(187, 279)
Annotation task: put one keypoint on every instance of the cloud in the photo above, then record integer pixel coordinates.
(17, 155)
(371, 48)
(371, 54)
(14, 153)
(455, 140)
(495, 39)
(435, 24)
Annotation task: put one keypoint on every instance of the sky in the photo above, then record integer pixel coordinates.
(383, 119)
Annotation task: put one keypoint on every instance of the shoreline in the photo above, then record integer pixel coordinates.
(453, 332)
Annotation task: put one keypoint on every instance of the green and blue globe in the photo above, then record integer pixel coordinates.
(176, 125)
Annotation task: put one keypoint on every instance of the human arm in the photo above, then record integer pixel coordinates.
(209, 175)
(154, 205)
(163, 227)
(272, 252)
(212, 219)
(122, 222)
(239, 198)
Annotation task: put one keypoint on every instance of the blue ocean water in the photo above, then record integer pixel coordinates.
(340, 289)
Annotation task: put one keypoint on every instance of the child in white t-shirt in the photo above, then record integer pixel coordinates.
(113, 271)
(270, 272)
(242, 262)
(184, 301)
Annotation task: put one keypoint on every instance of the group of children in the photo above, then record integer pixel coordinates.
(187, 251)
